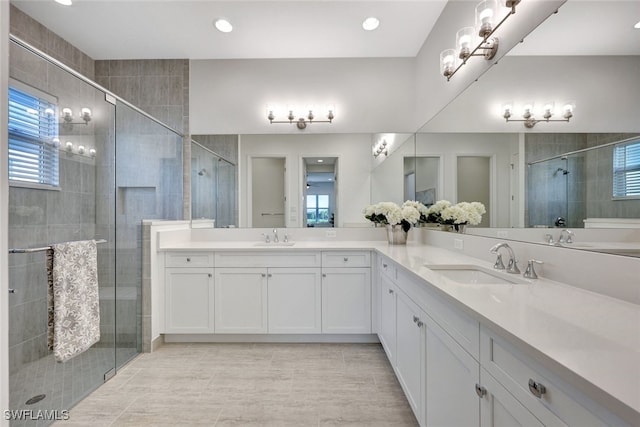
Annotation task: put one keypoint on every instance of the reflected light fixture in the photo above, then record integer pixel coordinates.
(380, 148)
(528, 113)
(301, 122)
(67, 117)
(477, 40)
(637, 26)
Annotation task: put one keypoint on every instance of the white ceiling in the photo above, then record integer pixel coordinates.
(262, 29)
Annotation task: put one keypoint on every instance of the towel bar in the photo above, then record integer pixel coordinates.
(44, 248)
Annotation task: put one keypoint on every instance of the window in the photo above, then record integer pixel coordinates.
(33, 138)
(317, 208)
(626, 170)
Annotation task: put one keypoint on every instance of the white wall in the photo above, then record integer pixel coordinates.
(604, 88)
(387, 179)
(450, 145)
(4, 212)
(353, 152)
(433, 91)
(370, 95)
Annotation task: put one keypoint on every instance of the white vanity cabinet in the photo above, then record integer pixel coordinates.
(294, 300)
(410, 364)
(267, 292)
(240, 300)
(189, 293)
(387, 317)
(346, 292)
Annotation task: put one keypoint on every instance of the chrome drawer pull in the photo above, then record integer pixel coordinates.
(345, 259)
(417, 321)
(536, 388)
(390, 291)
(480, 391)
(384, 265)
(188, 259)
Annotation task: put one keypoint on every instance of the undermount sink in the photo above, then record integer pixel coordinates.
(474, 275)
(273, 244)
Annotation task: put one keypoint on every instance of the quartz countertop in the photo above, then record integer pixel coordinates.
(596, 338)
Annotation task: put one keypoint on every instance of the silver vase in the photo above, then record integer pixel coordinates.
(396, 235)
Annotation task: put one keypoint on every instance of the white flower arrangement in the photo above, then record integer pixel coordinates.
(443, 212)
(390, 213)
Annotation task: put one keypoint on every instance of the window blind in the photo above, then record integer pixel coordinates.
(33, 139)
(626, 170)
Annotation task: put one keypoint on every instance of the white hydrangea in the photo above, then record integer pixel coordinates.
(410, 214)
(438, 206)
(454, 214)
(422, 209)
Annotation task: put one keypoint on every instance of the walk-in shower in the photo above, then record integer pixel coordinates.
(87, 183)
(213, 187)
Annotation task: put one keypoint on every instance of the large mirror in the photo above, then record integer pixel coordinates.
(582, 174)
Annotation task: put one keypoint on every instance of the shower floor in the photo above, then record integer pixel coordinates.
(64, 384)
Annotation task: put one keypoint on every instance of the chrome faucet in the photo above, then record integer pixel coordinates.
(549, 239)
(267, 239)
(570, 235)
(512, 266)
(275, 235)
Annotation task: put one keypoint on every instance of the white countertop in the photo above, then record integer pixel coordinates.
(595, 337)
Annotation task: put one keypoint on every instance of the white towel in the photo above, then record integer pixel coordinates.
(76, 307)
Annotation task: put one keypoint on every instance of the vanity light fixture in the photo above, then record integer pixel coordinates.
(67, 117)
(301, 122)
(380, 148)
(528, 113)
(478, 40)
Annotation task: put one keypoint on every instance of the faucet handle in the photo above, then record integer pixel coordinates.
(285, 239)
(530, 272)
(267, 239)
(548, 238)
(499, 265)
(512, 266)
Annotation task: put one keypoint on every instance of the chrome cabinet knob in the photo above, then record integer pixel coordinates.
(480, 391)
(345, 259)
(417, 321)
(390, 291)
(188, 259)
(536, 388)
(263, 275)
(12, 291)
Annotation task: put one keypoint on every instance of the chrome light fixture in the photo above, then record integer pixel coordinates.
(380, 148)
(301, 122)
(67, 117)
(528, 113)
(478, 40)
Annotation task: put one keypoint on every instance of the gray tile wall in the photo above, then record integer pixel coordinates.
(40, 37)
(585, 192)
(160, 87)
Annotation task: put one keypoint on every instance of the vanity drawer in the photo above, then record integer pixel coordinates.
(388, 268)
(188, 259)
(464, 329)
(296, 258)
(346, 259)
(530, 384)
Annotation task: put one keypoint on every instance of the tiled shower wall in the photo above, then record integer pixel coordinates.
(585, 192)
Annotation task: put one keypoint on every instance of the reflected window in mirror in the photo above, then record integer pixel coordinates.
(626, 170)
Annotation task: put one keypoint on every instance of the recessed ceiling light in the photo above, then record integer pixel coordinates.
(64, 2)
(370, 23)
(320, 160)
(223, 26)
(637, 26)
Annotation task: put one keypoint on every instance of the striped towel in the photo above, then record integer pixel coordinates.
(74, 309)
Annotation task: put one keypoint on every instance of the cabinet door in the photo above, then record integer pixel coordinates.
(387, 329)
(189, 300)
(452, 375)
(346, 300)
(241, 300)
(500, 409)
(294, 298)
(410, 353)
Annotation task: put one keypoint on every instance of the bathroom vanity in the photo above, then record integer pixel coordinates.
(506, 351)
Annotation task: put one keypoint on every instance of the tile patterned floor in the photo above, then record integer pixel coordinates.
(250, 385)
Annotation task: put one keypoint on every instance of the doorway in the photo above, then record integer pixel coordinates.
(268, 192)
(320, 189)
(474, 183)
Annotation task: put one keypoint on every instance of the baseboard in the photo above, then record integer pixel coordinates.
(157, 343)
(272, 338)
